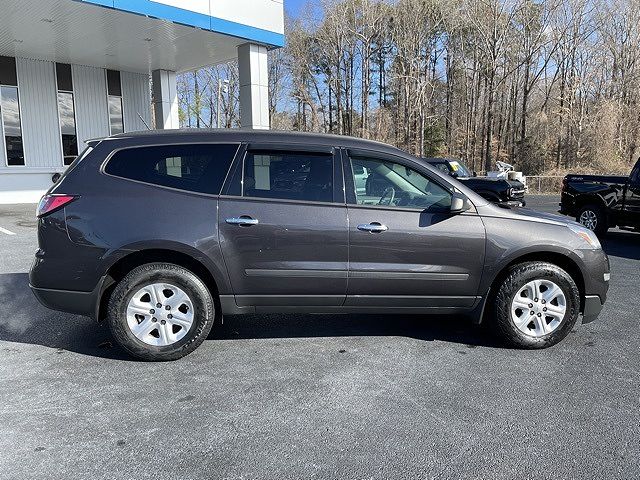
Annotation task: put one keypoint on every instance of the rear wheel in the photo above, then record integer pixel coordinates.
(594, 218)
(536, 305)
(160, 312)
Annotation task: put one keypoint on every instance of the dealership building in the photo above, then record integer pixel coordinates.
(73, 70)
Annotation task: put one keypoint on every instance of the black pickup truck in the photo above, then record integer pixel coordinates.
(508, 193)
(600, 202)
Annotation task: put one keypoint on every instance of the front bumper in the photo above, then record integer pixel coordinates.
(513, 203)
(592, 308)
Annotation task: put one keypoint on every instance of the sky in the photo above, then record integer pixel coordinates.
(293, 7)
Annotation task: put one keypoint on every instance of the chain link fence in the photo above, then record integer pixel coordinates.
(543, 184)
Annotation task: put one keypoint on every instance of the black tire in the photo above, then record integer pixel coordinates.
(602, 223)
(203, 305)
(518, 276)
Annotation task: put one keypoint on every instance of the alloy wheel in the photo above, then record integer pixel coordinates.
(160, 314)
(589, 219)
(538, 308)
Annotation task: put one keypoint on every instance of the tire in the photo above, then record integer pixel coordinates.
(506, 308)
(590, 214)
(197, 312)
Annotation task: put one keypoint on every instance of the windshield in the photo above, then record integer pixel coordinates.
(459, 169)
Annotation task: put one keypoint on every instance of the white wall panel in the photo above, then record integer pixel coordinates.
(198, 6)
(136, 99)
(92, 114)
(39, 105)
(16, 187)
(264, 14)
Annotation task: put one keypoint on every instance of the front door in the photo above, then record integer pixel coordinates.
(284, 234)
(406, 247)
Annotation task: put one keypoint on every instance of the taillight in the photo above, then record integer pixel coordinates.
(51, 203)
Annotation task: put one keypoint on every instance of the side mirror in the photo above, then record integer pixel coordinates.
(459, 203)
(475, 174)
(56, 177)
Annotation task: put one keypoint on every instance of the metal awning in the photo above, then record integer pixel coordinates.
(83, 33)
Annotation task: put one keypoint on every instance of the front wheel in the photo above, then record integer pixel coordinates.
(160, 312)
(536, 305)
(594, 218)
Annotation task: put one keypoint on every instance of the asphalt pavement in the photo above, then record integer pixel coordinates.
(317, 396)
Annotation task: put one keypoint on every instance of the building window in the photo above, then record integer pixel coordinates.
(66, 110)
(114, 90)
(11, 126)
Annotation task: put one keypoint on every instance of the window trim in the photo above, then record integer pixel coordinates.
(352, 201)
(333, 152)
(106, 161)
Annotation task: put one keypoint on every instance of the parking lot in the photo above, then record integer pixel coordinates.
(322, 396)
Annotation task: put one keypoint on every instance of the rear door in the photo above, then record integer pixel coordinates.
(283, 227)
(406, 248)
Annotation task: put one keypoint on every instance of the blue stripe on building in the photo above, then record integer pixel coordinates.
(160, 11)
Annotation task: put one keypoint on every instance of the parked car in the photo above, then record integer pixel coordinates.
(600, 202)
(161, 234)
(497, 190)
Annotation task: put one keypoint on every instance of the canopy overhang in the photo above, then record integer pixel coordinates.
(132, 35)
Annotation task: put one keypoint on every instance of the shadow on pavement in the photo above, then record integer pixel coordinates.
(622, 244)
(33, 324)
(421, 327)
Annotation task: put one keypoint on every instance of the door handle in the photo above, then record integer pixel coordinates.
(373, 227)
(243, 221)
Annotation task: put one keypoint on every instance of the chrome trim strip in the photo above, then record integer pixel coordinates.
(252, 272)
(376, 275)
(372, 275)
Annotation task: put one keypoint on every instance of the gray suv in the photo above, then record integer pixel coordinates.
(161, 234)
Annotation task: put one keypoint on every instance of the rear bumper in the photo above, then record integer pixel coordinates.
(78, 303)
(592, 308)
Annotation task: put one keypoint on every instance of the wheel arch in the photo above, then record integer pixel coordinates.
(559, 259)
(164, 255)
(594, 198)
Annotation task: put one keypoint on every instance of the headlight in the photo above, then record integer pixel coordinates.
(585, 234)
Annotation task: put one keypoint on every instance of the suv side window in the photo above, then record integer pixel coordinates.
(391, 184)
(196, 168)
(288, 176)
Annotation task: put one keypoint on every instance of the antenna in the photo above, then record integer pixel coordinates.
(145, 123)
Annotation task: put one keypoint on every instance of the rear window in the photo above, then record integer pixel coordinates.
(196, 168)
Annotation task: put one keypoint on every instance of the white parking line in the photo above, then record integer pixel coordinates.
(8, 232)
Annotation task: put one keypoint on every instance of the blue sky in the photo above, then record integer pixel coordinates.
(293, 6)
